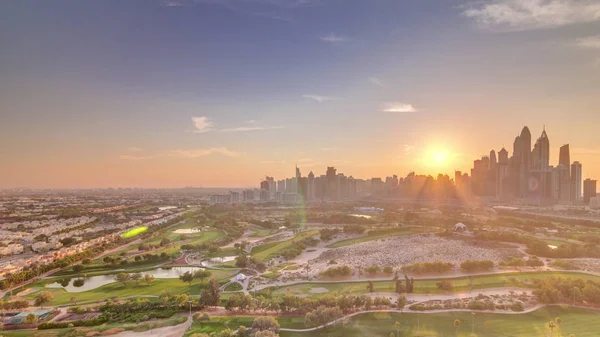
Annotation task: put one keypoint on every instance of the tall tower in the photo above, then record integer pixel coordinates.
(493, 161)
(311, 186)
(540, 156)
(564, 157)
(525, 144)
(576, 181)
(502, 172)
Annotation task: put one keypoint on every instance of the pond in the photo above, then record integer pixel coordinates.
(217, 260)
(360, 216)
(75, 285)
(187, 231)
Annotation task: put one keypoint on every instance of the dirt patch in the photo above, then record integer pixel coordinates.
(112, 331)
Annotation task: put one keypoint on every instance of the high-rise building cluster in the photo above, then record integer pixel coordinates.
(328, 186)
(528, 173)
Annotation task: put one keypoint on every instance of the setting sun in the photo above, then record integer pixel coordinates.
(439, 157)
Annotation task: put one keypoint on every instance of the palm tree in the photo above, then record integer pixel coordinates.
(397, 328)
(551, 325)
(456, 324)
(558, 320)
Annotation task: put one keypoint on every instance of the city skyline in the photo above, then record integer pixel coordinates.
(218, 94)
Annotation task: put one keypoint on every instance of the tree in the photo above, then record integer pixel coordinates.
(202, 274)
(86, 261)
(388, 270)
(261, 323)
(43, 298)
(164, 242)
(136, 277)
(78, 268)
(445, 285)
(137, 258)
(400, 287)
(321, 316)
(371, 287)
(401, 303)
(74, 300)
(456, 324)
(212, 295)
(149, 278)
(397, 329)
(78, 283)
(187, 277)
(551, 325)
(31, 319)
(123, 278)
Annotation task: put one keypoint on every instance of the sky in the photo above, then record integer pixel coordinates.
(220, 93)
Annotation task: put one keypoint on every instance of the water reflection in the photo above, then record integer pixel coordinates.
(77, 285)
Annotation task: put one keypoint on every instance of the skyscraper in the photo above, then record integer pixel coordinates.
(564, 157)
(540, 155)
(501, 173)
(311, 186)
(589, 190)
(332, 183)
(576, 181)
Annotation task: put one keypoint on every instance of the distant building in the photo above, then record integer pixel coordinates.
(589, 190)
(576, 181)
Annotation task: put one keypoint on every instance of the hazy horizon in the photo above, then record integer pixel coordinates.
(217, 93)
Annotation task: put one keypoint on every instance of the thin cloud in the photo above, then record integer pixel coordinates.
(376, 81)
(589, 42)
(319, 98)
(333, 38)
(173, 4)
(251, 128)
(586, 151)
(329, 148)
(518, 15)
(197, 153)
(397, 107)
(131, 157)
(408, 149)
(202, 124)
(134, 149)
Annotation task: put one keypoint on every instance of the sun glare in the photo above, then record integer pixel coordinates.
(440, 157)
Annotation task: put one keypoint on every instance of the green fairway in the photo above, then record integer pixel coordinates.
(158, 287)
(580, 322)
(219, 323)
(429, 286)
(376, 235)
(268, 250)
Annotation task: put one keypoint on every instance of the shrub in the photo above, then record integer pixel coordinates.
(445, 285)
(474, 266)
(337, 271)
(429, 267)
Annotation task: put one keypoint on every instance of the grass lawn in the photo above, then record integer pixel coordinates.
(581, 322)
(83, 331)
(159, 286)
(374, 235)
(268, 250)
(219, 323)
(428, 286)
(262, 232)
